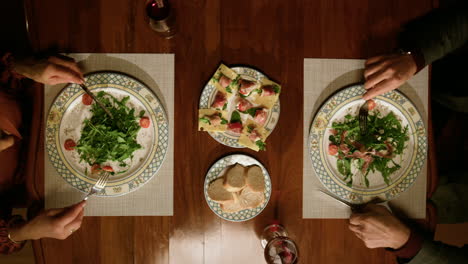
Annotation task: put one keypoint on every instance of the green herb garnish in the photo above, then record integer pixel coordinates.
(205, 120)
(235, 117)
(386, 138)
(252, 111)
(261, 145)
(223, 121)
(276, 88)
(109, 139)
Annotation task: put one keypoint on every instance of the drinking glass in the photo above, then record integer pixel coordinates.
(279, 248)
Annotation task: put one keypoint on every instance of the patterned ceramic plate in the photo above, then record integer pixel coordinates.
(209, 93)
(65, 121)
(218, 169)
(348, 101)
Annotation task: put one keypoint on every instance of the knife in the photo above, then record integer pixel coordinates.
(357, 207)
(97, 101)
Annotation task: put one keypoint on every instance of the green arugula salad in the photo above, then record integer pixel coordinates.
(106, 139)
(374, 151)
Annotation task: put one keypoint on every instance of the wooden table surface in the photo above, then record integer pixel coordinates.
(272, 35)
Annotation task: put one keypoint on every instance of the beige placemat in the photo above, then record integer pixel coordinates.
(323, 77)
(156, 196)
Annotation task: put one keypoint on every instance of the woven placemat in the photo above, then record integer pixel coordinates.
(156, 196)
(322, 78)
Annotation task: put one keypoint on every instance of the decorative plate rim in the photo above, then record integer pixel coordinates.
(158, 114)
(419, 156)
(267, 195)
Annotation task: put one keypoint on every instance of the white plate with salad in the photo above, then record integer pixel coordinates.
(382, 163)
(83, 142)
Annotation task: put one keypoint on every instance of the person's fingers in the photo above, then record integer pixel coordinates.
(381, 88)
(372, 207)
(57, 80)
(375, 59)
(355, 228)
(63, 57)
(374, 68)
(359, 235)
(377, 77)
(6, 142)
(373, 243)
(356, 219)
(54, 211)
(71, 213)
(67, 63)
(64, 73)
(76, 223)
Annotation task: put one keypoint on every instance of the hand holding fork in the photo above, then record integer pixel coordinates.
(100, 184)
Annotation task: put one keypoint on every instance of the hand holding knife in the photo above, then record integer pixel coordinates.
(357, 207)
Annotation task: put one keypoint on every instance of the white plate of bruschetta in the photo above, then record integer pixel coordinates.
(237, 187)
(239, 107)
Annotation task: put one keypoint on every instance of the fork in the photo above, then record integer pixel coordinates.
(363, 113)
(100, 184)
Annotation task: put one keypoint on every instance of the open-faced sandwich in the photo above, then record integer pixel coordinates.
(225, 80)
(268, 93)
(253, 136)
(242, 100)
(212, 120)
(239, 188)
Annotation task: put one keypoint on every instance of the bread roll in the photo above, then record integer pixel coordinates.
(234, 181)
(218, 193)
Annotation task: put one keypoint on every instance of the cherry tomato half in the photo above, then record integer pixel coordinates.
(145, 122)
(86, 99)
(69, 144)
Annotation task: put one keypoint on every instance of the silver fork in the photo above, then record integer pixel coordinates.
(363, 113)
(100, 184)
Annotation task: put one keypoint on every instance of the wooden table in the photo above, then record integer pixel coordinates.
(272, 35)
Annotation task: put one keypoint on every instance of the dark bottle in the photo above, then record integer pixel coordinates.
(161, 17)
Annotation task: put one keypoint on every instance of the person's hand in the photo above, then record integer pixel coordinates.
(378, 227)
(53, 70)
(6, 140)
(53, 223)
(387, 72)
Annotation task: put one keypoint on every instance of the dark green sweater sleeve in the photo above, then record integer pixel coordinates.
(438, 253)
(438, 33)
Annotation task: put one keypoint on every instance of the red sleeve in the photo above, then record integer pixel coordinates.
(6, 245)
(411, 248)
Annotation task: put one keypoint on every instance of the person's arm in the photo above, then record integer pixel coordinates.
(379, 228)
(54, 223)
(7, 246)
(438, 253)
(426, 39)
(438, 33)
(50, 70)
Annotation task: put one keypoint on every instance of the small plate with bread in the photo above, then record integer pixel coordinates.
(237, 187)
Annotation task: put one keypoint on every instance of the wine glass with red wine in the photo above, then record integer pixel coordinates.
(161, 16)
